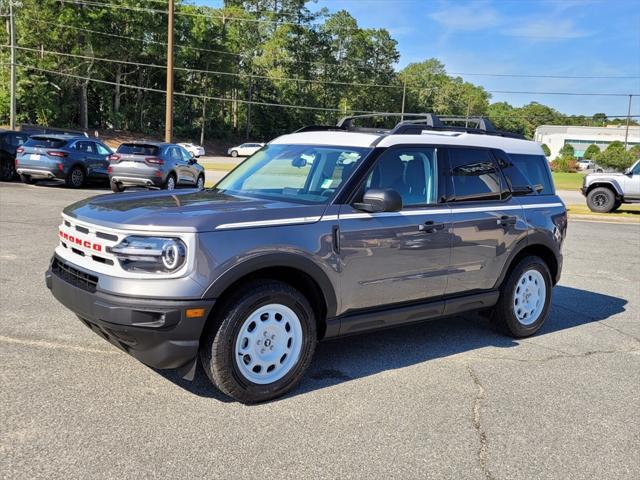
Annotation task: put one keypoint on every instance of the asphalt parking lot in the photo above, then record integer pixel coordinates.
(445, 399)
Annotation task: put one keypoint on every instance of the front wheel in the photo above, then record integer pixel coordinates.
(524, 300)
(261, 343)
(200, 183)
(601, 200)
(234, 154)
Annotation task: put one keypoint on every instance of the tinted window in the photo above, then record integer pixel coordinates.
(16, 139)
(535, 168)
(411, 172)
(474, 175)
(45, 142)
(138, 149)
(87, 147)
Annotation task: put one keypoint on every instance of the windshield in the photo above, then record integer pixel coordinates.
(304, 173)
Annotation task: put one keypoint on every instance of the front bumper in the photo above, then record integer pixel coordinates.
(156, 332)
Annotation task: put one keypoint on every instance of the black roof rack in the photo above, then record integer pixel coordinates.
(417, 124)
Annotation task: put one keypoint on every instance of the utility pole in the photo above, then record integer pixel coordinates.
(404, 94)
(12, 34)
(626, 134)
(168, 120)
(248, 128)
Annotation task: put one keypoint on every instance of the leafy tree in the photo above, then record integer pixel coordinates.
(546, 150)
(615, 156)
(591, 151)
(635, 151)
(567, 151)
(599, 119)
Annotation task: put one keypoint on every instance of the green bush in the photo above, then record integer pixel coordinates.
(591, 151)
(615, 156)
(545, 149)
(567, 151)
(564, 164)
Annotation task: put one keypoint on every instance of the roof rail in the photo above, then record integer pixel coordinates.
(319, 128)
(428, 118)
(475, 121)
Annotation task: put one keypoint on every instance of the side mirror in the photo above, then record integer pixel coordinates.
(375, 200)
(193, 160)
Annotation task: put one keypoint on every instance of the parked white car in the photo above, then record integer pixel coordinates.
(195, 150)
(245, 149)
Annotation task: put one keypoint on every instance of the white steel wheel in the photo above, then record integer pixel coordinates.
(529, 297)
(200, 184)
(269, 343)
(171, 183)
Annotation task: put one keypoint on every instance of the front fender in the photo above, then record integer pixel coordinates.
(611, 183)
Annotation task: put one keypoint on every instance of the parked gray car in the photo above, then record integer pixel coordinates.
(323, 233)
(75, 160)
(154, 165)
(605, 192)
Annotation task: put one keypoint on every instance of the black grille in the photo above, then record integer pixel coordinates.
(74, 276)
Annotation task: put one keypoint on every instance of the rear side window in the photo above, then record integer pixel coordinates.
(45, 142)
(534, 168)
(16, 139)
(138, 149)
(87, 147)
(474, 175)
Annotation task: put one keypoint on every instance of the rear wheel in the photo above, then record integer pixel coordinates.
(200, 183)
(261, 343)
(76, 177)
(27, 179)
(117, 187)
(525, 297)
(7, 170)
(601, 200)
(170, 183)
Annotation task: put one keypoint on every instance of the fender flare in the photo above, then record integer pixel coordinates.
(532, 240)
(278, 259)
(615, 186)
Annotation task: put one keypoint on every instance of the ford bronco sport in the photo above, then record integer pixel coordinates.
(326, 232)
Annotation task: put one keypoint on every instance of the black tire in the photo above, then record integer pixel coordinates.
(234, 153)
(117, 187)
(504, 318)
(7, 170)
(601, 200)
(217, 346)
(76, 178)
(27, 179)
(616, 205)
(200, 178)
(167, 182)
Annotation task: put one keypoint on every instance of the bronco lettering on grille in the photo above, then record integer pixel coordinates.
(79, 241)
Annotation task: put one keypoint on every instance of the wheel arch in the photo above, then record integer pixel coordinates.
(540, 247)
(610, 184)
(296, 270)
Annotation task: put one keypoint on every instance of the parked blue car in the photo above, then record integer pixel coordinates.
(73, 159)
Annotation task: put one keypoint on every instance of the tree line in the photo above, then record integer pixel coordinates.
(252, 69)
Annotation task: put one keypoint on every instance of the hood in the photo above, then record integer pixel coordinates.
(185, 211)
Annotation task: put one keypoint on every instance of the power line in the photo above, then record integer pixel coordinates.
(213, 72)
(248, 56)
(268, 104)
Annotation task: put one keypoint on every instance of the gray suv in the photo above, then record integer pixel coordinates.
(154, 165)
(326, 232)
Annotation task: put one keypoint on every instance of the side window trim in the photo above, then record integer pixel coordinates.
(505, 192)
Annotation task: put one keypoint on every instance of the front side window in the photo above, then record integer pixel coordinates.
(302, 173)
(474, 175)
(411, 172)
(102, 150)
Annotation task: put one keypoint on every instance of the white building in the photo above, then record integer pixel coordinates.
(557, 136)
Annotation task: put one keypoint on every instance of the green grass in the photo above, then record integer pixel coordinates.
(626, 211)
(567, 181)
(221, 167)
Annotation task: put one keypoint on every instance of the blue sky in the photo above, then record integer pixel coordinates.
(548, 37)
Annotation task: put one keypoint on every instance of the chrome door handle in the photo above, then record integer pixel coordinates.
(506, 220)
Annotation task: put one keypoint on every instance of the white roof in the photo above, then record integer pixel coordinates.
(428, 137)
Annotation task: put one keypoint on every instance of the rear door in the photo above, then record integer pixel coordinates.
(397, 257)
(87, 152)
(487, 221)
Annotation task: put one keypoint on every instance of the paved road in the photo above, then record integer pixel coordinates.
(446, 399)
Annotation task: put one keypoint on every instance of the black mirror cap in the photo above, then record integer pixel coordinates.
(378, 200)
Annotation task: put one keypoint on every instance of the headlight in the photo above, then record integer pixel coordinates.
(150, 254)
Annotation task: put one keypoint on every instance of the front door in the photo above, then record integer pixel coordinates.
(487, 220)
(396, 257)
(631, 185)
